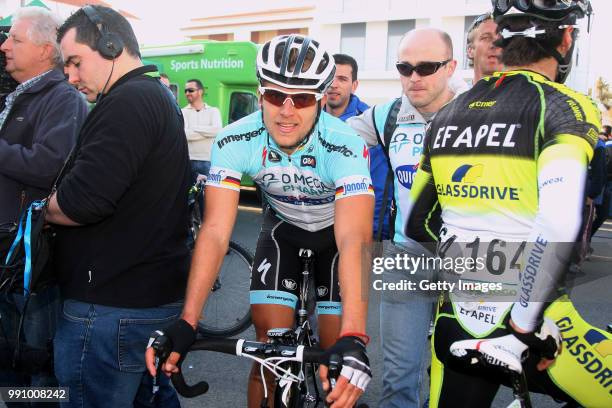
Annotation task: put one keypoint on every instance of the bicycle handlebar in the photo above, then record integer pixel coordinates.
(240, 347)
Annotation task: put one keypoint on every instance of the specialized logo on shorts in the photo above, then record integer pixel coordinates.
(405, 175)
(462, 186)
(322, 291)
(274, 156)
(289, 284)
(308, 161)
(263, 267)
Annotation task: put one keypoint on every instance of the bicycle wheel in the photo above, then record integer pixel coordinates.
(228, 311)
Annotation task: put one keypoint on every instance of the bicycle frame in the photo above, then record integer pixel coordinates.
(303, 336)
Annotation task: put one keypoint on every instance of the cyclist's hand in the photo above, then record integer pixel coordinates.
(354, 375)
(505, 352)
(168, 345)
(545, 340)
(508, 352)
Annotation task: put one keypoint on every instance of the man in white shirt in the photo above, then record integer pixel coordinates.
(202, 123)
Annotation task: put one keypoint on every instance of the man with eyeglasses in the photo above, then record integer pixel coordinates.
(483, 55)
(313, 170)
(202, 123)
(507, 161)
(426, 65)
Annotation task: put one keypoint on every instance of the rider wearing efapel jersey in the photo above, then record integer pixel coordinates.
(508, 160)
(313, 170)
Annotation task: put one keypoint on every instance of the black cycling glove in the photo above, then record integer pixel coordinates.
(178, 337)
(355, 363)
(546, 339)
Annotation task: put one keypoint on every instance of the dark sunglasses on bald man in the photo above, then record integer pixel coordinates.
(423, 69)
(191, 90)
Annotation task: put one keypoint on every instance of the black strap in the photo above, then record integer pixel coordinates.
(390, 126)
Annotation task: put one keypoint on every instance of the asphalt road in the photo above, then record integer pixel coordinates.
(227, 375)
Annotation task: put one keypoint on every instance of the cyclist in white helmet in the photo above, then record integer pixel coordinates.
(313, 171)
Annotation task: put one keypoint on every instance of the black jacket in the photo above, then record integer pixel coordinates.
(37, 135)
(128, 186)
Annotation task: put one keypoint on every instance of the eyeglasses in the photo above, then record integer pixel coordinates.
(423, 69)
(299, 99)
(191, 90)
(479, 20)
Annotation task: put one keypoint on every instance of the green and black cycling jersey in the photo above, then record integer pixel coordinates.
(485, 154)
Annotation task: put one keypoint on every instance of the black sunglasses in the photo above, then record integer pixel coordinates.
(190, 90)
(423, 69)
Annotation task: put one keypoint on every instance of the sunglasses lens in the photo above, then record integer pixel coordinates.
(189, 90)
(426, 68)
(274, 97)
(303, 100)
(404, 68)
(300, 100)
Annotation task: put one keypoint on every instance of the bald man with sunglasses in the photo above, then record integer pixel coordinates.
(426, 65)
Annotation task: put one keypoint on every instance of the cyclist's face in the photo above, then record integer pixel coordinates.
(482, 51)
(287, 124)
(426, 93)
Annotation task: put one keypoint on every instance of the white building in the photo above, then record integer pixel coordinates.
(365, 29)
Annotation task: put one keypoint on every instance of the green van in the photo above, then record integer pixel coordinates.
(226, 68)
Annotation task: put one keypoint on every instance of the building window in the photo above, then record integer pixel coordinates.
(352, 41)
(260, 37)
(396, 31)
(468, 20)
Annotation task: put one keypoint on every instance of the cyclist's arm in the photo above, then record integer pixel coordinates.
(353, 231)
(219, 217)
(562, 168)
(364, 126)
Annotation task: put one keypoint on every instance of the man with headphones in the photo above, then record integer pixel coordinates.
(122, 215)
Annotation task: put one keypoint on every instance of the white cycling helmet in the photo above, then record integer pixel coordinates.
(295, 61)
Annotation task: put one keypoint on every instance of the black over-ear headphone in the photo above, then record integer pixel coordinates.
(109, 45)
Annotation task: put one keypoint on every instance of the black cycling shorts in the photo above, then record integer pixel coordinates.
(276, 274)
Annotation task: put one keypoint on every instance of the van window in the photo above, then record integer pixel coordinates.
(241, 104)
